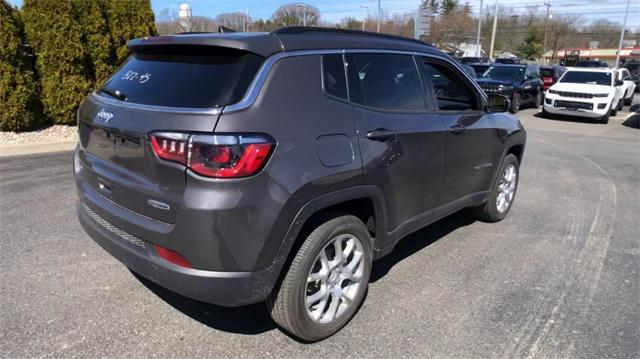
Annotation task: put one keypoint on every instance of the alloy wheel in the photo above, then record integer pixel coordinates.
(506, 188)
(334, 279)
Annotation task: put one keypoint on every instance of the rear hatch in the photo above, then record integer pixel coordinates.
(159, 88)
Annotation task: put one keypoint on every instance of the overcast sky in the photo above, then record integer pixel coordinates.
(335, 10)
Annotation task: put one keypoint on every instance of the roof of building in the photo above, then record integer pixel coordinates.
(290, 39)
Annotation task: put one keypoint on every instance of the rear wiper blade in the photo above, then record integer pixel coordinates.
(114, 93)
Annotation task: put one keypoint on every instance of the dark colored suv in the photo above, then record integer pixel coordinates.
(521, 83)
(247, 167)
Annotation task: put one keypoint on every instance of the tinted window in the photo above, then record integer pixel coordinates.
(547, 72)
(450, 89)
(385, 81)
(532, 72)
(584, 77)
(334, 79)
(185, 76)
(504, 73)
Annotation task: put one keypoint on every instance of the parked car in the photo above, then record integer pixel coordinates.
(591, 63)
(585, 92)
(551, 74)
(628, 86)
(521, 83)
(634, 69)
(474, 60)
(480, 68)
(508, 60)
(246, 167)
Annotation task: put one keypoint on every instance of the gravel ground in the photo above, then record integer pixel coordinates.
(56, 133)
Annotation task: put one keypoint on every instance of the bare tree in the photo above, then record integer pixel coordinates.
(233, 20)
(203, 24)
(561, 32)
(296, 15)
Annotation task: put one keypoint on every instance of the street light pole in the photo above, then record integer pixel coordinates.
(546, 20)
(379, 15)
(624, 27)
(364, 15)
(478, 34)
(493, 33)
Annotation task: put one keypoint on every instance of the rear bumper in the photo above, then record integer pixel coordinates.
(222, 288)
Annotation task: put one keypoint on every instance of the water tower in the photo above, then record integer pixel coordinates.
(184, 15)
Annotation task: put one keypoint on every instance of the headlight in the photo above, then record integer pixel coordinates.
(553, 92)
(506, 87)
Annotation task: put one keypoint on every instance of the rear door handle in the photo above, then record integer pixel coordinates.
(457, 129)
(380, 134)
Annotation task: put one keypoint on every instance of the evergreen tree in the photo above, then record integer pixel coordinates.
(432, 5)
(56, 37)
(126, 20)
(99, 47)
(449, 6)
(20, 107)
(531, 48)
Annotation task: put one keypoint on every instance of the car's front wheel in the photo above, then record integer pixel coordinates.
(516, 101)
(503, 192)
(326, 281)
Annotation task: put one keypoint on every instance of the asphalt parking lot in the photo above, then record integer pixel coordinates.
(560, 277)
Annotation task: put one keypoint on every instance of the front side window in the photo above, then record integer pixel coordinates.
(387, 82)
(335, 83)
(451, 91)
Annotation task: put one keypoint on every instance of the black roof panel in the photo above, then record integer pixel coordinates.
(290, 39)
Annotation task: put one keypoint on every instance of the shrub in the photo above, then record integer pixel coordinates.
(20, 107)
(62, 64)
(127, 20)
(92, 18)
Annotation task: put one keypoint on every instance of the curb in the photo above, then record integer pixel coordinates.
(36, 148)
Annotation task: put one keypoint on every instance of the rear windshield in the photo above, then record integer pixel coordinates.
(584, 77)
(504, 73)
(184, 76)
(546, 72)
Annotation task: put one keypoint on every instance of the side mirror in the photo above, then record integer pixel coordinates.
(619, 82)
(498, 103)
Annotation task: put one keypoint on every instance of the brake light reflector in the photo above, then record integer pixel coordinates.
(172, 257)
(218, 156)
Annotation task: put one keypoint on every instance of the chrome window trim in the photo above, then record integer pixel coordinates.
(253, 91)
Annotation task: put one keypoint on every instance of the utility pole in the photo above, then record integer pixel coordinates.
(493, 33)
(379, 15)
(547, 3)
(478, 50)
(364, 15)
(624, 27)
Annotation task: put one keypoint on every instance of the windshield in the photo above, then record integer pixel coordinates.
(584, 77)
(504, 73)
(184, 76)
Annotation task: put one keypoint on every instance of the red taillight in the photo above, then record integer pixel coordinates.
(172, 257)
(219, 156)
(171, 146)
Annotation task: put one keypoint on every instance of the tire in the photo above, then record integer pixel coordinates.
(628, 101)
(516, 102)
(604, 119)
(539, 99)
(491, 211)
(288, 303)
(614, 111)
(620, 104)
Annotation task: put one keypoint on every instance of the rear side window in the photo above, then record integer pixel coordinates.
(335, 83)
(387, 82)
(185, 76)
(451, 91)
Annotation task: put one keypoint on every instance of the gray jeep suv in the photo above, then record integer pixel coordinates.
(248, 167)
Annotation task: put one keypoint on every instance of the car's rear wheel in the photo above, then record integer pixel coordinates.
(327, 280)
(516, 101)
(539, 99)
(503, 192)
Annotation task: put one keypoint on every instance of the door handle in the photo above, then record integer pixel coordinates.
(380, 134)
(457, 129)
